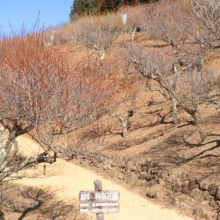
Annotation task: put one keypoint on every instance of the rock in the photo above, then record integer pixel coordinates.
(199, 212)
(143, 176)
(212, 189)
(107, 167)
(134, 168)
(149, 183)
(161, 182)
(185, 183)
(218, 216)
(177, 187)
(132, 179)
(121, 176)
(218, 193)
(206, 195)
(172, 200)
(213, 203)
(148, 177)
(144, 169)
(143, 183)
(129, 164)
(197, 195)
(204, 185)
(154, 170)
(193, 183)
(122, 164)
(185, 190)
(139, 169)
(143, 162)
(112, 173)
(114, 164)
(152, 194)
(168, 186)
(154, 177)
(163, 174)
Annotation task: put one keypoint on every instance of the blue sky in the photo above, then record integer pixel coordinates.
(52, 13)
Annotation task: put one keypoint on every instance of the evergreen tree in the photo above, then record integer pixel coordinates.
(84, 7)
(107, 6)
(131, 2)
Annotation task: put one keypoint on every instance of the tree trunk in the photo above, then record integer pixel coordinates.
(124, 124)
(174, 109)
(193, 113)
(195, 118)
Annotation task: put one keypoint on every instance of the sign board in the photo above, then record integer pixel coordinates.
(99, 201)
(124, 19)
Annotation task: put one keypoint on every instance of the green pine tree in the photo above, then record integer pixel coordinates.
(84, 7)
(107, 6)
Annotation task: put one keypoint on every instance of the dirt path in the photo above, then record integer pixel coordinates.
(67, 179)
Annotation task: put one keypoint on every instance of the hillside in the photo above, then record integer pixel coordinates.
(137, 103)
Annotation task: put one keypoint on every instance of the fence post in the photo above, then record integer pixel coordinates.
(98, 187)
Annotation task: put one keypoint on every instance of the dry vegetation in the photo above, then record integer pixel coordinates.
(93, 85)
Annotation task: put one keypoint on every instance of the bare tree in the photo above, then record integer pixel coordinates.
(23, 94)
(98, 34)
(160, 67)
(188, 33)
(207, 15)
(42, 95)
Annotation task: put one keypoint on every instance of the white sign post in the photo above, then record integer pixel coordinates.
(99, 201)
(124, 19)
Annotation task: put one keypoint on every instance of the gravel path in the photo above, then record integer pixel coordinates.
(67, 179)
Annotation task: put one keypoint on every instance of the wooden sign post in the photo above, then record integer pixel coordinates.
(99, 201)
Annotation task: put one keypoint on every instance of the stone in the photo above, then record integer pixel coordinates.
(108, 167)
(139, 169)
(134, 168)
(149, 183)
(206, 195)
(185, 183)
(185, 190)
(151, 194)
(114, 164)
(142, 162)
(143, 176)
(170, 179)
(176, 187)
(161, 182)
(122, 164)
(163, 174)
(132, 179)
(199, 212)
(130, 165)
(217, 195)
(218, 216)
(154, 177)
(172, 200)
(213, 203)
(143, 183)
(193, 184)
(148, 177)
(144, 169)
(212, 189)
(204, 185)
(197, 195)
(154, 170)
(121, 176)
(168, 186)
